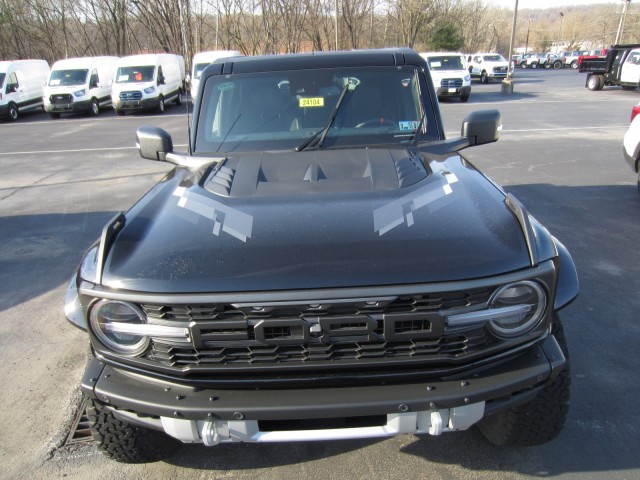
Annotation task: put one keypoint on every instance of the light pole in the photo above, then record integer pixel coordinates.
(511, 42)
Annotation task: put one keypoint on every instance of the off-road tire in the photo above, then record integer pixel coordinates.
(558, 65)
(119, 112)
(574, 65)
(125, 442)
(464, 98)
(484, 78)
(161, 105)
(54, 115)
(178, 100)
(539, 420)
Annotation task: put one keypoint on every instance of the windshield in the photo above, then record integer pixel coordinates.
(493, 58)
(67, 78)
(135, 74)
(282, 110)
(451, 62)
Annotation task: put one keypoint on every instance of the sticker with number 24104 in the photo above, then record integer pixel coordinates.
(312, 102)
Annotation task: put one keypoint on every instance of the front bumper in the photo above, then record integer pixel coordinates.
(212, 416)
(454, 91)
(143, 104)
(73, 107)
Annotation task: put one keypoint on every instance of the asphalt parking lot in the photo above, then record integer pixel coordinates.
(560, 153)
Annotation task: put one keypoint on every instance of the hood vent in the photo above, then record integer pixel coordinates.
(221, 181)
(410, 170)
(324, 171)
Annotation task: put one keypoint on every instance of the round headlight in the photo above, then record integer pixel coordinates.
(523, 305)
(114, 323)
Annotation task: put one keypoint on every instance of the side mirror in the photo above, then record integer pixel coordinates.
(161, 80)
(482, 126)
(153, 143)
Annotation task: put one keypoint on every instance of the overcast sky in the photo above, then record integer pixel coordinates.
(546, 3)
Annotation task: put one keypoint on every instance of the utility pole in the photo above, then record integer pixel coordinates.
(559, 34)
(623, 16)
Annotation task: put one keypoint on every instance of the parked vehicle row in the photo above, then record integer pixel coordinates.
(91, 84)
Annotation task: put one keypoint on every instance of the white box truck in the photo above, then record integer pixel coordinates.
(148, 82)
(21, 86)
(79, 85)
(201, 60)
(449, 74)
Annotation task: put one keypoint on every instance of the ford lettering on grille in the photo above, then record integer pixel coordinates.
(319, 330)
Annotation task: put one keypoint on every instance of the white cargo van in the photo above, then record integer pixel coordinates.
(449, 74)
(21, 86)
(147, 82)
(201, 60)
(79, 85)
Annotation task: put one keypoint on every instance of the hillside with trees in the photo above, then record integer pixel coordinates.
(56, 29)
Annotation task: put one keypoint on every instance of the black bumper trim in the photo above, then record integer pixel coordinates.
(144, 395)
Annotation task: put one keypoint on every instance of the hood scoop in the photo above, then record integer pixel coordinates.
(324, 171)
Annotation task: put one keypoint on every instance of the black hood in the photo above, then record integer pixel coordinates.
(319, 219)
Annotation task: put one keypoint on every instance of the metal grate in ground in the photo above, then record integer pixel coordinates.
(80, 431)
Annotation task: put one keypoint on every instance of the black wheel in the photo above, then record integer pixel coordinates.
(119, 112)
(593, 83)
(125, 442)
(94, 108)
(547, 65)
(523, 65)
(534, 65)
(161, 104)
(178, 100)
(574, 65)
(539, 420)
(464, 98)
(629, 87)
(13, 112)
(484, 78)
(54, 115)
(558, 64)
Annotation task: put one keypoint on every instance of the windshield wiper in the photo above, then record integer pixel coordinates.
(320, 135)
(418, 130)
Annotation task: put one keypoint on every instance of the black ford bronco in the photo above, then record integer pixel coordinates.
(322, 264)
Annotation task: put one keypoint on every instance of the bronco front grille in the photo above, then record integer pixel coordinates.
(319, 354)
(369, 331)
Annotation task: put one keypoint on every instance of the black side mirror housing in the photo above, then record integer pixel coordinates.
(482, 126)
(154, 143)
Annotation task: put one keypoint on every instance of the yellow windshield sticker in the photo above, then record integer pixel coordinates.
(312, 102)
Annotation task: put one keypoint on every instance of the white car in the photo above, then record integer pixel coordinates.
(488, 66)
(632, 142)
(449, 74)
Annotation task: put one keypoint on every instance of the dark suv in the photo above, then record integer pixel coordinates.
(322, 264)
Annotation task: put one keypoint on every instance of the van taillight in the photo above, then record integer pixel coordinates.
(634, 111)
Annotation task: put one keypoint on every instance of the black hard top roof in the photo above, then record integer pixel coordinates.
(304, 61)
